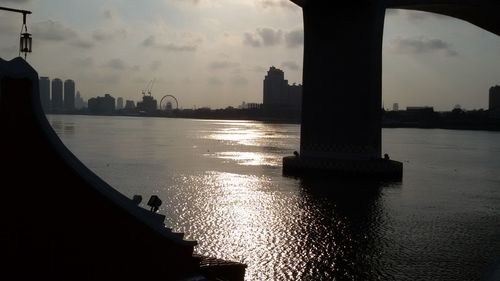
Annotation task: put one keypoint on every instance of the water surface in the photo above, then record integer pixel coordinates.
(221, 184)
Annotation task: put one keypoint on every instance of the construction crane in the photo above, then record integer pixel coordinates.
(149, 88)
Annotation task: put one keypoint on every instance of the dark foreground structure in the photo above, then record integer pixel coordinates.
(62, 222)
(341, 120)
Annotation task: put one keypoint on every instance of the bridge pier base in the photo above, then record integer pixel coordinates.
(342, 91)
(378, 169)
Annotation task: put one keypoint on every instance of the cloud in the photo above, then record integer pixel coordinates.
(151, 42)
(155, 65)
(259, 68)
(82, 44)
(99, 35)
(10, 49)
(223, 64)
(108, 14)
(276, 4)
(421, 45)
(294, 38)
(290, 65)
(83, 62)
(53, 31)
(9, 26)
(214, 81)
(107, 79)
(15, 1)
(417, 16)
(391, 12)
(195, 2)
(179, 48)
(239, 80)
(102, 35)
(250, 40)
(269, 36)
(116, 64)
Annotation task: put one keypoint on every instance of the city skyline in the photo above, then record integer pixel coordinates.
(215, 52)
(79, 103)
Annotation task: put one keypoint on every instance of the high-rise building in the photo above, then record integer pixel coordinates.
(57, 95)
(129, 104)
(278, 94)
(45, 93)
(119, 103)
(274, 87)
(79, 102)
(494, 102)
(148, 104)
(69, 95)
(395, 107)
(102, 105)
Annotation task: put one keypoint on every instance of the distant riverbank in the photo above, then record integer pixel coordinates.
(472, 125)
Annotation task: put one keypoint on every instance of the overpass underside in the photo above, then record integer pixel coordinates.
(342, 82)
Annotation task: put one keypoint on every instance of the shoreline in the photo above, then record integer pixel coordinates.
(484, 127)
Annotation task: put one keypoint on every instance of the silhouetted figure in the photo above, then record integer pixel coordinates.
(137, 199)
(154, 202)
(386, 156)
(296, 153)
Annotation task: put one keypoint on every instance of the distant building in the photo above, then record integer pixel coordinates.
(119, 103)
(129, 104)
(57, 95)
(45, 93)
(102, 105)
(395, 107)
(69, 95)
(250, 105)
(79, 102)
(494, 102)
(278, 94)
(148, 104)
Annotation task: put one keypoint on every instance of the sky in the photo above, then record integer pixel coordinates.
(216, 53)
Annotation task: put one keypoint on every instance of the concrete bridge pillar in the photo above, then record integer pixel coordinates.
(342, 81)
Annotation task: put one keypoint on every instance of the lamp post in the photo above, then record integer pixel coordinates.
(25, 42)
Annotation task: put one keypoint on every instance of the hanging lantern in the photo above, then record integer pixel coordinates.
(25, 43)
(25, 40)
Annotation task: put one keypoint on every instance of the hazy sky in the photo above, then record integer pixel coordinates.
(216, 52)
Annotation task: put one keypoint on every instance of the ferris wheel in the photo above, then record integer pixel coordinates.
(169, 103)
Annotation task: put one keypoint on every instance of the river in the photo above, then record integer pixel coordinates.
(221, 184)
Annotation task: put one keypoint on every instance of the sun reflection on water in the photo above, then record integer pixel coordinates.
(250, 158)
(280, 234)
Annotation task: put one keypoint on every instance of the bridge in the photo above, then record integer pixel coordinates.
(342, 81)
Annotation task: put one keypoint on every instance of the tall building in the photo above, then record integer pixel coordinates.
(278, 94)
(395, 107)
(79, 102)
(69, 95)
(494, 102)
(102, 105)
(148, 104)
(57, 95)
(119, 103)
(129, 104)
(45, 93)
